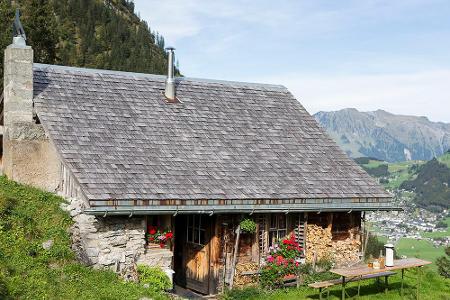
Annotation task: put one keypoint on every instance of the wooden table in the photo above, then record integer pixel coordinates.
(362, 270)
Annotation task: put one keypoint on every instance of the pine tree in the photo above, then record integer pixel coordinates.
(86, 33)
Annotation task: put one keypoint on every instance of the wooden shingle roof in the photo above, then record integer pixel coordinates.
(224, 140)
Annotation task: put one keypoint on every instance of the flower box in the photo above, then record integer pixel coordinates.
(157, 238)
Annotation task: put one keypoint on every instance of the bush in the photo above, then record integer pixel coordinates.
(3, 288)
(6, 204)
(443, 264)
(441, 224)
(156, 279)
(374, 246)
(325, 264)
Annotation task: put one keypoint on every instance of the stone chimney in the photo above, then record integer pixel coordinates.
(18, 83)
(28, 155)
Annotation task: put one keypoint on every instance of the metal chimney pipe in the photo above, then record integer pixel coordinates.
(170, 81)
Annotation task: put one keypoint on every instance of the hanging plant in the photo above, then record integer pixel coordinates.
(248, 226)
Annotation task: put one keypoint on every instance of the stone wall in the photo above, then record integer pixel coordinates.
(116, 243)
(29, 157)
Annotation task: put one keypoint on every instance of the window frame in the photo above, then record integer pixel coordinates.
(276, 231)
(195, 230)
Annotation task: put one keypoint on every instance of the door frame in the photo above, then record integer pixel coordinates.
(180, 255)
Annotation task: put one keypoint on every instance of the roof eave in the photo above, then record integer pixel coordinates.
(227, 209)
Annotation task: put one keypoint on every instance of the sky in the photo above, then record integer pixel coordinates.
(367, 54)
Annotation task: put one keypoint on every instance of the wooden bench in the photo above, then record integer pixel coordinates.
(324, 285)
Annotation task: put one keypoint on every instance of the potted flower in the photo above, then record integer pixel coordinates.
(156, 237)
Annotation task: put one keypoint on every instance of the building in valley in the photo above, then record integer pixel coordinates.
(137, 153)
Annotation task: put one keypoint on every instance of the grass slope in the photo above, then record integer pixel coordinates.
(29, 217)
(419, 248)
(433, 287)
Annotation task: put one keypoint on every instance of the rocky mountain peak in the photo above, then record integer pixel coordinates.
(386, 136)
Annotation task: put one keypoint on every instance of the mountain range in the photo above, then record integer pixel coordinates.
(386, 136)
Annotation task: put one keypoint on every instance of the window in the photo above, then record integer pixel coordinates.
(278, 228)
(196, 229)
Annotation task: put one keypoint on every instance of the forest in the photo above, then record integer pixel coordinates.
(86, 33)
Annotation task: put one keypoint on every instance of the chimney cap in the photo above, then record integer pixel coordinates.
(18, 31)
(170, 48)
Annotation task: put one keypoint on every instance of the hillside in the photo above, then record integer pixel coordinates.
(385, 136)
(86, 33)
(429, 180)
(28, 219)
(431, 185)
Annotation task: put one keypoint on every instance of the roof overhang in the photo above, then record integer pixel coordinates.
(237, 209)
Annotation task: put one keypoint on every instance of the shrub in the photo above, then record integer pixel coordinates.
(374, 246)
(325, 264)
(441, 224)
(443, 264)
(3, 288)
(6, 204)
(156, 279)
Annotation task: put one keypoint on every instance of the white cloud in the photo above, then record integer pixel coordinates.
(177, 19)
(391, 58)
(421, 93)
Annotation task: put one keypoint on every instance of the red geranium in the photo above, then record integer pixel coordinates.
(169, 235)
(152, 230)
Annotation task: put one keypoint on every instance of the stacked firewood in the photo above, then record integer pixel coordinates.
(318, 242)
(320, 245)
(246, 273)
(346, 252)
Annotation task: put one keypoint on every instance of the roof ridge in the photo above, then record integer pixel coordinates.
(157, 77)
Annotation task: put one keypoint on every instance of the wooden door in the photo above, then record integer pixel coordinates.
(197, 253)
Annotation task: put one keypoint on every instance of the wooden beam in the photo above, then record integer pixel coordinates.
(236, 249)
(215, 257)
(330, 221)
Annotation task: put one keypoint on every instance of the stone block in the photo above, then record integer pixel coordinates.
(92, 252)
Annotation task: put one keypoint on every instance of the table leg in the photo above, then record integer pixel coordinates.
(343, 287)
(401, 287)
(419, 273)
(386, 284)
(359, 285)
